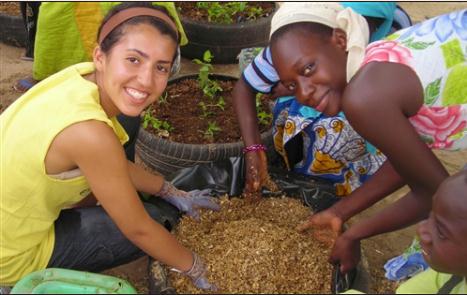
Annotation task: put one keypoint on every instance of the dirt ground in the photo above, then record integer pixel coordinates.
(377, 250)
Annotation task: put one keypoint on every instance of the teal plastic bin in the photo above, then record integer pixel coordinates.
(66, 281)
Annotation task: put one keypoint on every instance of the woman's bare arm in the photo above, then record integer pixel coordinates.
(95, 149)
(377, 104)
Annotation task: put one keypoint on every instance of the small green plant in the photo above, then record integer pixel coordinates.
(210, 88)
(263, 117)
(162, 127)
(205, 108)
(254, 12)
(220, 103)
(224, 12)
(163, 97)
(211, 130)
(205, 112)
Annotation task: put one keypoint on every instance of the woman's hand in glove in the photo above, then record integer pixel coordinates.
(197, 274)
(188, 202)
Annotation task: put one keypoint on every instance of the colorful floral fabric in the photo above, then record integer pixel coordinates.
(330, 146)
(436, 50)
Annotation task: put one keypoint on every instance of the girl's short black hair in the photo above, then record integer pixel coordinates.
(115, 35)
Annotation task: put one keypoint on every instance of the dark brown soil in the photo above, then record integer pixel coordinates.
(10, 8)
(184, 114)
(189, 10)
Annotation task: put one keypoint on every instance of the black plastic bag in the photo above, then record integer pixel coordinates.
(228, 177)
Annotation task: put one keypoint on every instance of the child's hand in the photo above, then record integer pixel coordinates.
(257, 175)
(346, 253)
(188, 202)
(326, 226)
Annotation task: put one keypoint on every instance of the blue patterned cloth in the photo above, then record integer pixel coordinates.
(404, 266)
(331, 148)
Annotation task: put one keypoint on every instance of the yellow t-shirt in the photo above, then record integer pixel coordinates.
(31, 200)
(427, 282)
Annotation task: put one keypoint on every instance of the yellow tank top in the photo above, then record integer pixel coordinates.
(31, 200)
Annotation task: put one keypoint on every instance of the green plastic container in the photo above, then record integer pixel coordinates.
(66, 281)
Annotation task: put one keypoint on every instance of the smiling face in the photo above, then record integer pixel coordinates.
(313, 66)
(134, 73)
(443, 236)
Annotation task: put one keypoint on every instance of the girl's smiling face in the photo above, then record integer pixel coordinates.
(443, 236)
(313, 66)
(134, 73)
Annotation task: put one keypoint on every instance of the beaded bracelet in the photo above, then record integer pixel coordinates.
(254, 148)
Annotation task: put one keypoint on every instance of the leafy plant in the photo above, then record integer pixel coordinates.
(210, 88)
(254, 12)
(163, 97)
(224, 12)
(264, 118)
(211, 130)
(220, 103)
(162, 127)
(205, 110)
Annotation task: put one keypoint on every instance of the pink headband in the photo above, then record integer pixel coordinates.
(126, 14)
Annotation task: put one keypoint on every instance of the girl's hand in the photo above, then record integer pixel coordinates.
(257, 175)
(326, 226)
(346, 253)
(188, 202)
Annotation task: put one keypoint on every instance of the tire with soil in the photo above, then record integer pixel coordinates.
(167, 157)
(225, 41)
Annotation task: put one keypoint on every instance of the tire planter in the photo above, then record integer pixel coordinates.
(13, 31)
(225, 41)
(167, 156)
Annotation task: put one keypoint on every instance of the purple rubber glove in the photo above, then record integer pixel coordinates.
(197, 274)
(188, 202)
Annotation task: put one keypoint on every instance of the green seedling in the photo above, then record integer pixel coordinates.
(264, 118)
(205, 112)
(224, 12)
(211, 130)
(220, 103)
(254, 12)
(163, 97)
(162, 127)
(210, 88)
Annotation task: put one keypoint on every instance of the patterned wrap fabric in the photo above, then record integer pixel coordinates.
(436, 50)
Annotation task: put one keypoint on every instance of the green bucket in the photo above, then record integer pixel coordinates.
(66, 281)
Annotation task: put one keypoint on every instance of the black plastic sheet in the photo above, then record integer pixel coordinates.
(228, 177)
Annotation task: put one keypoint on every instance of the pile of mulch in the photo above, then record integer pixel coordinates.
(255, 248)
